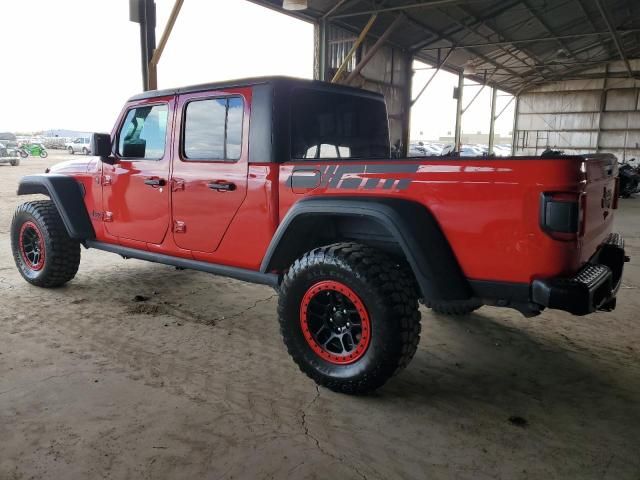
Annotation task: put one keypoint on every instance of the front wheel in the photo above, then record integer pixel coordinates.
(349, 316)
(44, 154)
(15, 163)
(70, 150)
(23, 153)
(43, 251)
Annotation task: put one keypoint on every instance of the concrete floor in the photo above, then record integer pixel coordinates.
(195, 383)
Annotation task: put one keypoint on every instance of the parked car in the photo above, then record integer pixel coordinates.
(262, 180)
(471, 151)
(501, 151)
(8, 153)
(79, 145)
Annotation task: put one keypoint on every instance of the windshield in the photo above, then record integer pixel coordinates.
(337, 125)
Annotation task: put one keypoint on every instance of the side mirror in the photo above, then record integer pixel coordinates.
(101, 147)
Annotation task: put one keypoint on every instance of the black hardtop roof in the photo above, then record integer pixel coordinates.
(289, 82)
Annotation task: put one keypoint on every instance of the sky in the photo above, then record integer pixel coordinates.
(73, 63)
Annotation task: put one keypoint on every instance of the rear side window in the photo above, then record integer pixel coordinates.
(143, 133)
(213, 129)
(336, 125)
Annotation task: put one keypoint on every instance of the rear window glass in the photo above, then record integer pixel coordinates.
(213, 129)
(334, 125)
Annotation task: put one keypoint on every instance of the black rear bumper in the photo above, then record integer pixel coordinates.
(593, 288)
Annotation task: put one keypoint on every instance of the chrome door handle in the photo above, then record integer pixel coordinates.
(222, 186)
(155, 182)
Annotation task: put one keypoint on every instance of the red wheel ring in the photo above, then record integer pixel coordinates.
(335, 322)
(31, 244)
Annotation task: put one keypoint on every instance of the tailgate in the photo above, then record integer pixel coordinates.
(600, 201)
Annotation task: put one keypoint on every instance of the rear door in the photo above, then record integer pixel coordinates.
(209, 180)
(135, 189)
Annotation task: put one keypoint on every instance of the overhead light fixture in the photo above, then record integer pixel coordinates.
(469, 69)
(295, 4)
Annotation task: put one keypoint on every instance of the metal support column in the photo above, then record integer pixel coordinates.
(458, 134)
(322, 50)
(492, 124)
(603, 104)
(406, 105)
(514, 130)
(144, 13)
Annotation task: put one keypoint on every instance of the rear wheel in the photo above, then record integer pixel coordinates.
(349, 316)
(85, 151)
(43, 251)
(15, 163)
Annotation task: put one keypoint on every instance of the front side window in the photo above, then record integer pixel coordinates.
(213, 129)
(143, 133)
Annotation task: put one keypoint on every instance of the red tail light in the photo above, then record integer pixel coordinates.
(562, 214)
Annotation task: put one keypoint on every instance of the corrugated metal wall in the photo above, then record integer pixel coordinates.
(386, 73)
(598, 114)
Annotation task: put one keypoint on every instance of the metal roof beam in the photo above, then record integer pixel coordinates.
(536, 40)
(429, 4)
(586, 14)
(475, 32)
(614, 37)
(335, 8)
(546, 26)
(474, 52)
(425, 43)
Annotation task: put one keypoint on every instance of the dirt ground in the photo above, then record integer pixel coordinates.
(195, 383)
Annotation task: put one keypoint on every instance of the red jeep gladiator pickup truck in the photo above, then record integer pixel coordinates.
(290, 183)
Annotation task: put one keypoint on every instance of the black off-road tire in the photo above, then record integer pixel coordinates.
(464, 307)
(388, 292)
(61, 254)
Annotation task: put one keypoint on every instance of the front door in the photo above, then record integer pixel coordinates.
(210, 167)
(135, 189)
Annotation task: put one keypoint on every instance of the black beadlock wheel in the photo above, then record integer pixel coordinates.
(349, 316)
(43, 251)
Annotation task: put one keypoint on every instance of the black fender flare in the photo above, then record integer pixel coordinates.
(411, 225)
(68, 196)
